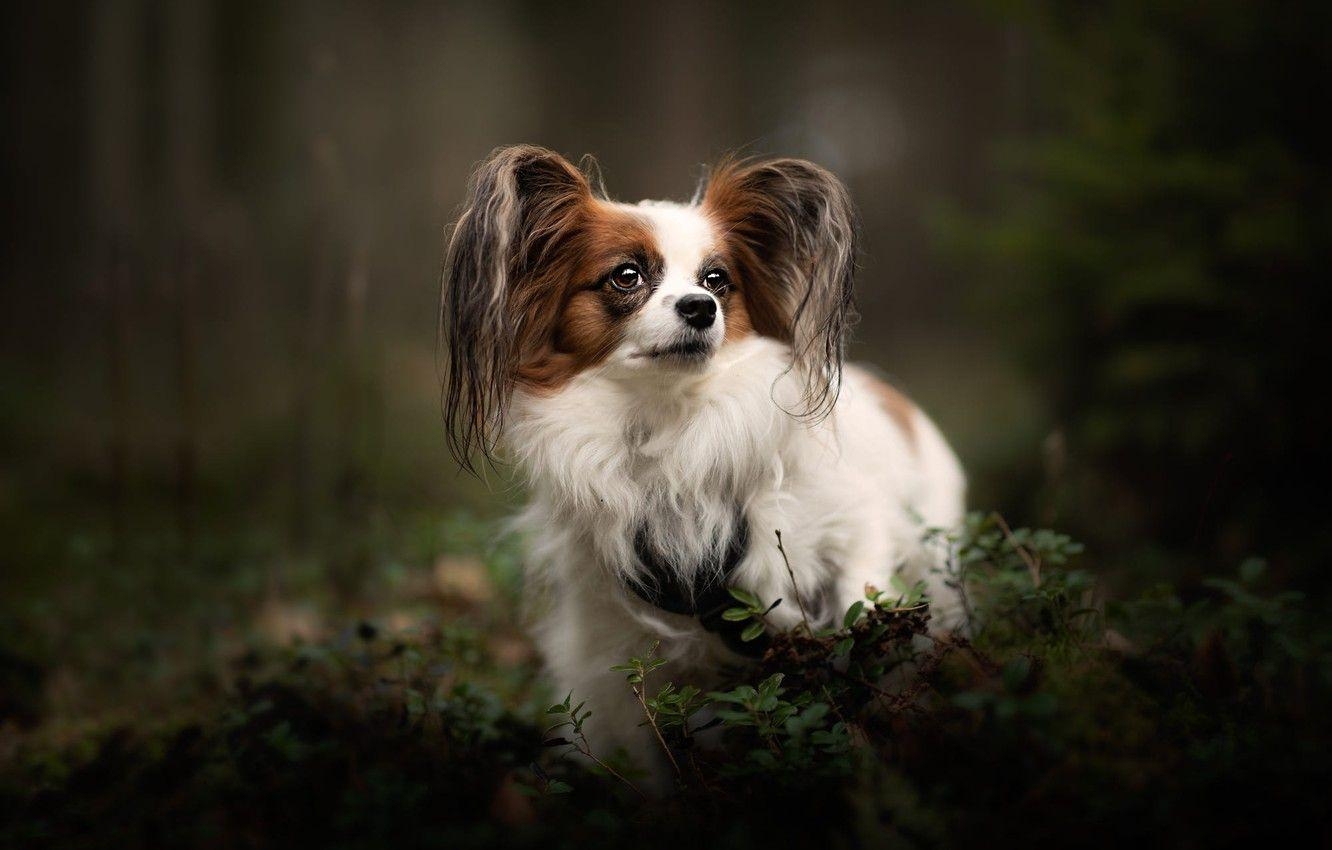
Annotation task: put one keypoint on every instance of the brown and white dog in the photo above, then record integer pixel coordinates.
(669, 379)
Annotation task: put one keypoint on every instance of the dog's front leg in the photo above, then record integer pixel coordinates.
(768, 572)
(583, 639)
(868, 560)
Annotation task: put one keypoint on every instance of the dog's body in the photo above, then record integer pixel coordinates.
(668, 377)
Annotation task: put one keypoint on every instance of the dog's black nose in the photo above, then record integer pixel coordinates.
(698, 310)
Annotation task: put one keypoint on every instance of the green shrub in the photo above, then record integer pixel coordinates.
(1053, 717)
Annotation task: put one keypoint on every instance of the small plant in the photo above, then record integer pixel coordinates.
(636, 671)
(1035, 720)
(673, 708)
(1236, 627)
(784, 734)
(1015, 583)
(750, 608)
(575, 716)
(901, 597)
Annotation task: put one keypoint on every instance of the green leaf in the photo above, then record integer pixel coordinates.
(561, 708)
(730, 716)
(735, 615)
(852, 614)
(813, 713)
(555, 786)
(742, 595)
(763, 758)
(769, 686)
(752, 631)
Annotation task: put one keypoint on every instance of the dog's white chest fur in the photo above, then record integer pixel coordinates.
(610, 458)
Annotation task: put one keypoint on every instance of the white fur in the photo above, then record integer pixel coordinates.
(684, 238)
(633, 442)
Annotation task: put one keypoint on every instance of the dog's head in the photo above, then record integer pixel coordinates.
(545, 278)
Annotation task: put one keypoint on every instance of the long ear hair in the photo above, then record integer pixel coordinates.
(793, 232)
(522, 202)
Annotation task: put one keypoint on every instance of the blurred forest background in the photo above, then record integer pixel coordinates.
(1094, 239)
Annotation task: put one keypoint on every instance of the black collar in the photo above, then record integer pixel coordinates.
(707, 598)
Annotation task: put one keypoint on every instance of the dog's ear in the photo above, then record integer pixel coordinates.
(522, 203)
(792, 230)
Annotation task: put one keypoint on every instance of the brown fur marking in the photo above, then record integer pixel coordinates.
(735, 211)
(577, 319)
(898, 407)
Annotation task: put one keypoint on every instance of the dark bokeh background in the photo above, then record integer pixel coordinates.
(1094, 240)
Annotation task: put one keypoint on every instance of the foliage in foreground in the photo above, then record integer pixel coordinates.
(1059, 718)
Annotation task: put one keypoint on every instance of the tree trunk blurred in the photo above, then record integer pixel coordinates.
(356, 383)
(188, 126)
(115, 150)
(316, 281)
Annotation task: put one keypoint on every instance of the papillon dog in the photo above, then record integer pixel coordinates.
(668, 378)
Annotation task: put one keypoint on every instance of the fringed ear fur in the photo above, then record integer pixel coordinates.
(793, 233)
(522, 201)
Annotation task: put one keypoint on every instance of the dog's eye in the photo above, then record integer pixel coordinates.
(715, 280)
(626, 278)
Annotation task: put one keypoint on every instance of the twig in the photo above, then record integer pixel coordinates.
(865, 683)
(978, 662)
(702, 779)
(800, 601)
(586, 750)
(832, 703)
(903, 610)
(652, 721)
(955, 577)
(1033, 566)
